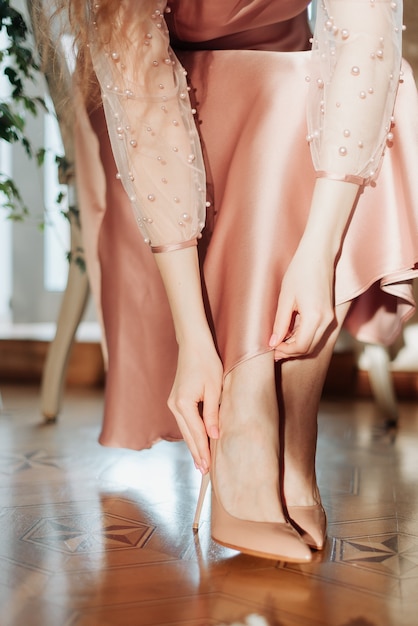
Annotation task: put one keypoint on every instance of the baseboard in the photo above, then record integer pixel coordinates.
(345, 378)
(22, 361)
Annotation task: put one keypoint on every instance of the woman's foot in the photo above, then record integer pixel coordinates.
(247, 465)
(300, 384)
(303, 505)
(311, 524)
(247, 514)
(272, 540)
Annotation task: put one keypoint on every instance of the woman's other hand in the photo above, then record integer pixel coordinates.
(195, 398)
(305, 313)
(305, 309)
(198, 380)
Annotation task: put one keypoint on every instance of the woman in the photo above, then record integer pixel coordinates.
(286, 255)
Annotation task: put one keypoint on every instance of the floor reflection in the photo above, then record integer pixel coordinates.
(91, 536)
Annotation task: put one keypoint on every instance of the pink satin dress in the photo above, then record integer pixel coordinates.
(251, 115)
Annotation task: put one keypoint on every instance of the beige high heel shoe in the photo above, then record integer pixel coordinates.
(311, 524)
(269, 540)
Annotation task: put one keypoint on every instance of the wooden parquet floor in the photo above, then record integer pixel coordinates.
(92, 536)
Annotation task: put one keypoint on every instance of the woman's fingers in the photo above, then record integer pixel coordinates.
(305, 306)
(282, 327)
(305, 336)
(193, 431)
(196, 386)
(294, 345)
(211, 416)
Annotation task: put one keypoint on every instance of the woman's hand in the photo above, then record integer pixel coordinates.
(305, 313)
(198, 383)
(305, 309)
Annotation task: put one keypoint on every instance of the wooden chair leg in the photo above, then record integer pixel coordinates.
(71, 312)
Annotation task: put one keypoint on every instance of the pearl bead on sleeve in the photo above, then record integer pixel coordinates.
(151, 127)
(356, 63)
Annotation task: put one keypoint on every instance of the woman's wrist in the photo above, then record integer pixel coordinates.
(331, 208)
(195, 337)
(181, 277)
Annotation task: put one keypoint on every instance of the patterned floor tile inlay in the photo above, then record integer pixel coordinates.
(15, 463)
(394, 554)
(89, 533)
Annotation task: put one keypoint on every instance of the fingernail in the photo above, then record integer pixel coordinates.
(204, 465)
(273, 340)
(214, 432)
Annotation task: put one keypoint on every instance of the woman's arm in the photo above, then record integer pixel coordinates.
(157, 152)
(151, 124)
(355, 74)
(199, 369)
(305, 309)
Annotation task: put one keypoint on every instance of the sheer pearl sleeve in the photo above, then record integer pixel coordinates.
(356, 69)
(151, 127)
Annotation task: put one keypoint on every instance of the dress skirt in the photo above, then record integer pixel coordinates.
(251, 115)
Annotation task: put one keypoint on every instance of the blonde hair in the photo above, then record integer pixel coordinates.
(109, 15)
(110, 19)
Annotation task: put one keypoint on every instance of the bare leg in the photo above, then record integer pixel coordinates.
(302, 381)
(247, 466)
(248, 471)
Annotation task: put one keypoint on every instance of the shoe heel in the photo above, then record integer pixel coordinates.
(202, 493)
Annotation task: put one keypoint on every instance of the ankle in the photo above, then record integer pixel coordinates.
(301, 491)
(250, 451)
(246, 475)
